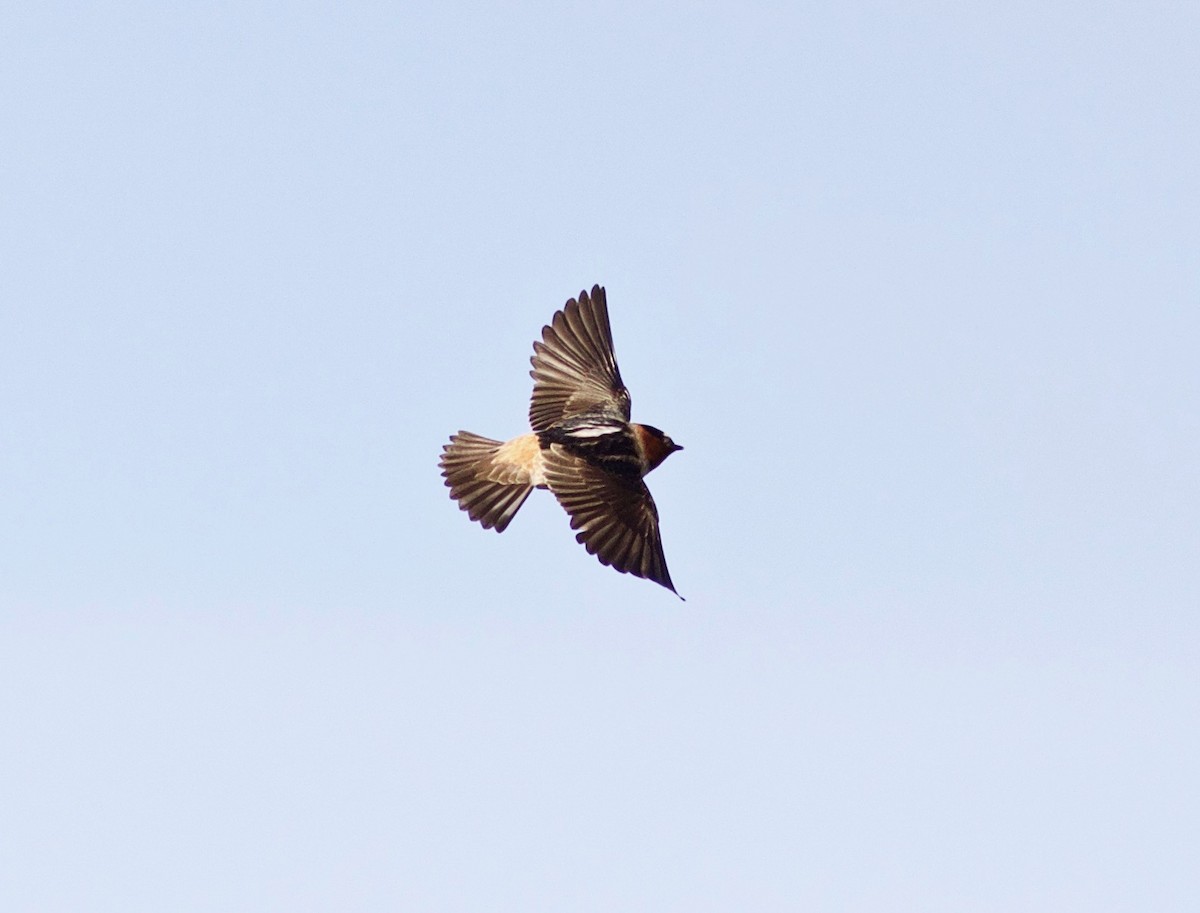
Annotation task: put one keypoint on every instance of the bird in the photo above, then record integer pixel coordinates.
(582, 447)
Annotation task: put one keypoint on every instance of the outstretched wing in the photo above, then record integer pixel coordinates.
(615, 515)
(574, 368)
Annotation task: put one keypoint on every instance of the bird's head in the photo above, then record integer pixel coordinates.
(655, 445)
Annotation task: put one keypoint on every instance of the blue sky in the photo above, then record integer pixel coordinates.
(916, 286)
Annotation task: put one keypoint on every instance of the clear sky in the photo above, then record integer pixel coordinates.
(916, 285)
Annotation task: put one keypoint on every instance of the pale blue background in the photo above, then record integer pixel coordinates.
(916, 285)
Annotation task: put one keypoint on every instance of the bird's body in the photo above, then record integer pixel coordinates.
(583, 448)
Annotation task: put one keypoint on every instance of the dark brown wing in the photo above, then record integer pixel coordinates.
(615, 515)
(574, 368)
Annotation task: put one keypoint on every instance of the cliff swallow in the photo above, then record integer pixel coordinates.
(583, 448)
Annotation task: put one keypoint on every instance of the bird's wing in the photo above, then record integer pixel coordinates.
(614, 514)
(574, 368)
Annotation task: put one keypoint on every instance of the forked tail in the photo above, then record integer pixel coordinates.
(487, 489)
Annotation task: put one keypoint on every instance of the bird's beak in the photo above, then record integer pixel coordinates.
(675, 447)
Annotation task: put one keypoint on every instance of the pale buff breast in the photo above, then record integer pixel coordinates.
(519, 461)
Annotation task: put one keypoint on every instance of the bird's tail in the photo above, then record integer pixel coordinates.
(486, 488)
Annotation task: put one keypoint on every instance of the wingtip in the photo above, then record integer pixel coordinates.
(596, 294)
(666, 583)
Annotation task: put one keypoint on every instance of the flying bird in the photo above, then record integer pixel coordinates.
(583, 448)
